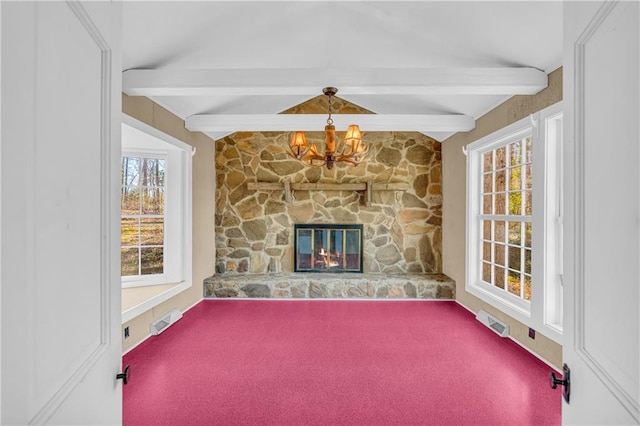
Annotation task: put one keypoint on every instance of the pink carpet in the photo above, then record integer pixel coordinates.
(230, 362)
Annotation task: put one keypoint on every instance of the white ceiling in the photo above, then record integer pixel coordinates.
(393, 58)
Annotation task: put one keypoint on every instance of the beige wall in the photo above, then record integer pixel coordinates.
(203, 249)
(454, 205)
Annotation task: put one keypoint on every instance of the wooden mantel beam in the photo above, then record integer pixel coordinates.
(367, 188)
(377, 81)
(325, 186)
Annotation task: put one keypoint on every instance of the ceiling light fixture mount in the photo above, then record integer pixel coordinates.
(353, 151)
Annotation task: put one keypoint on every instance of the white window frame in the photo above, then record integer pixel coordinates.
(544, 311)
(178, 202)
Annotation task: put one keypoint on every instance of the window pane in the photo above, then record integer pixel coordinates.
(487, 161)
(527, 203)
(527, 287)
(152, 201)
(528, 177)
(501, 200)
(500, 231)
(501, 158)
(129, 261)
(130, 171)
(514, 283)
(515, 153)
(499, 254)
(514, 258)
(527, 234)
(501, 181)
(515, 203)
(515, 180)
(487, 185)
(130, 200)
(152, 260)
(514, 233)
(499, 276)
(486, 229)
(152, 231)
(527, 261)
(152, 172)
(129, 232)
(486, 272)
(486, 204)
(528, 149)
(486, 252)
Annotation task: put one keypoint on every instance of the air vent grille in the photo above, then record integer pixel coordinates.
(499, 327)
(162, 323)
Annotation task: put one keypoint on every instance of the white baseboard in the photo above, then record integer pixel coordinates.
(150, 335)
(520, 344)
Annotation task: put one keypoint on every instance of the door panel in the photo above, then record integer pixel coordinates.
(61, 175)
(602, 205)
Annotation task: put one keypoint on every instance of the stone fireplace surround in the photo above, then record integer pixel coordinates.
(255, 216)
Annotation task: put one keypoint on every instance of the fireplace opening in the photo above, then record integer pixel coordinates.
(327, 248)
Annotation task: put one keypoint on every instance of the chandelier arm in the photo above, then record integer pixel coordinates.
(301, 155)
(351, 161)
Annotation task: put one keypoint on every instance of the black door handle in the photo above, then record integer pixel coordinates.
(565, 381)
(124, 375)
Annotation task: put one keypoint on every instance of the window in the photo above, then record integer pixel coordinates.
(155, 207)
(506, 217)
(513, 217)
(142, 211)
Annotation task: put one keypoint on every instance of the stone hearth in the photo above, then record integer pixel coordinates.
(324, 285)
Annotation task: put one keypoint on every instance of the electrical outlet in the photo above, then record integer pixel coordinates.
(126, 332)
(532, 333)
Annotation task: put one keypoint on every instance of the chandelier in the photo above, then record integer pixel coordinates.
(353, 150)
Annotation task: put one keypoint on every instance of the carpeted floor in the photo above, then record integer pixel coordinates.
(229, 362)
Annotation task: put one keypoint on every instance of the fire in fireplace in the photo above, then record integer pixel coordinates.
(327, 248)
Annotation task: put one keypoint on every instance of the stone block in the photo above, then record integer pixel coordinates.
(257, 263)
(256, 290)
(318, 290)
(410, 290)
(299, 291)
(389, 156)
(388, 255)
(419, 154)
(255, 230)
(225, 292)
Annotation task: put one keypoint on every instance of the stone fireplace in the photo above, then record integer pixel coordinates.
(394, 196)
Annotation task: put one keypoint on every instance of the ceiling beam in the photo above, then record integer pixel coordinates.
(376, 81)
(316, 122)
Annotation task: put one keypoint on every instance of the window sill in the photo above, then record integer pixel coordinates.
(137, 300)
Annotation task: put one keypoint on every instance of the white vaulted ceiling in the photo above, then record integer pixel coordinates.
(425, 66)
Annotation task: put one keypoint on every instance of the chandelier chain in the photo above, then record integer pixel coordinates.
(330, 120)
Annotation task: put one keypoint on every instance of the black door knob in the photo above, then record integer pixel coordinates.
(555, 381)
(124, 375)
(565, 381)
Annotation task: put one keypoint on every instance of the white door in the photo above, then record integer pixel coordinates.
(60, 216)
(602, 211)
